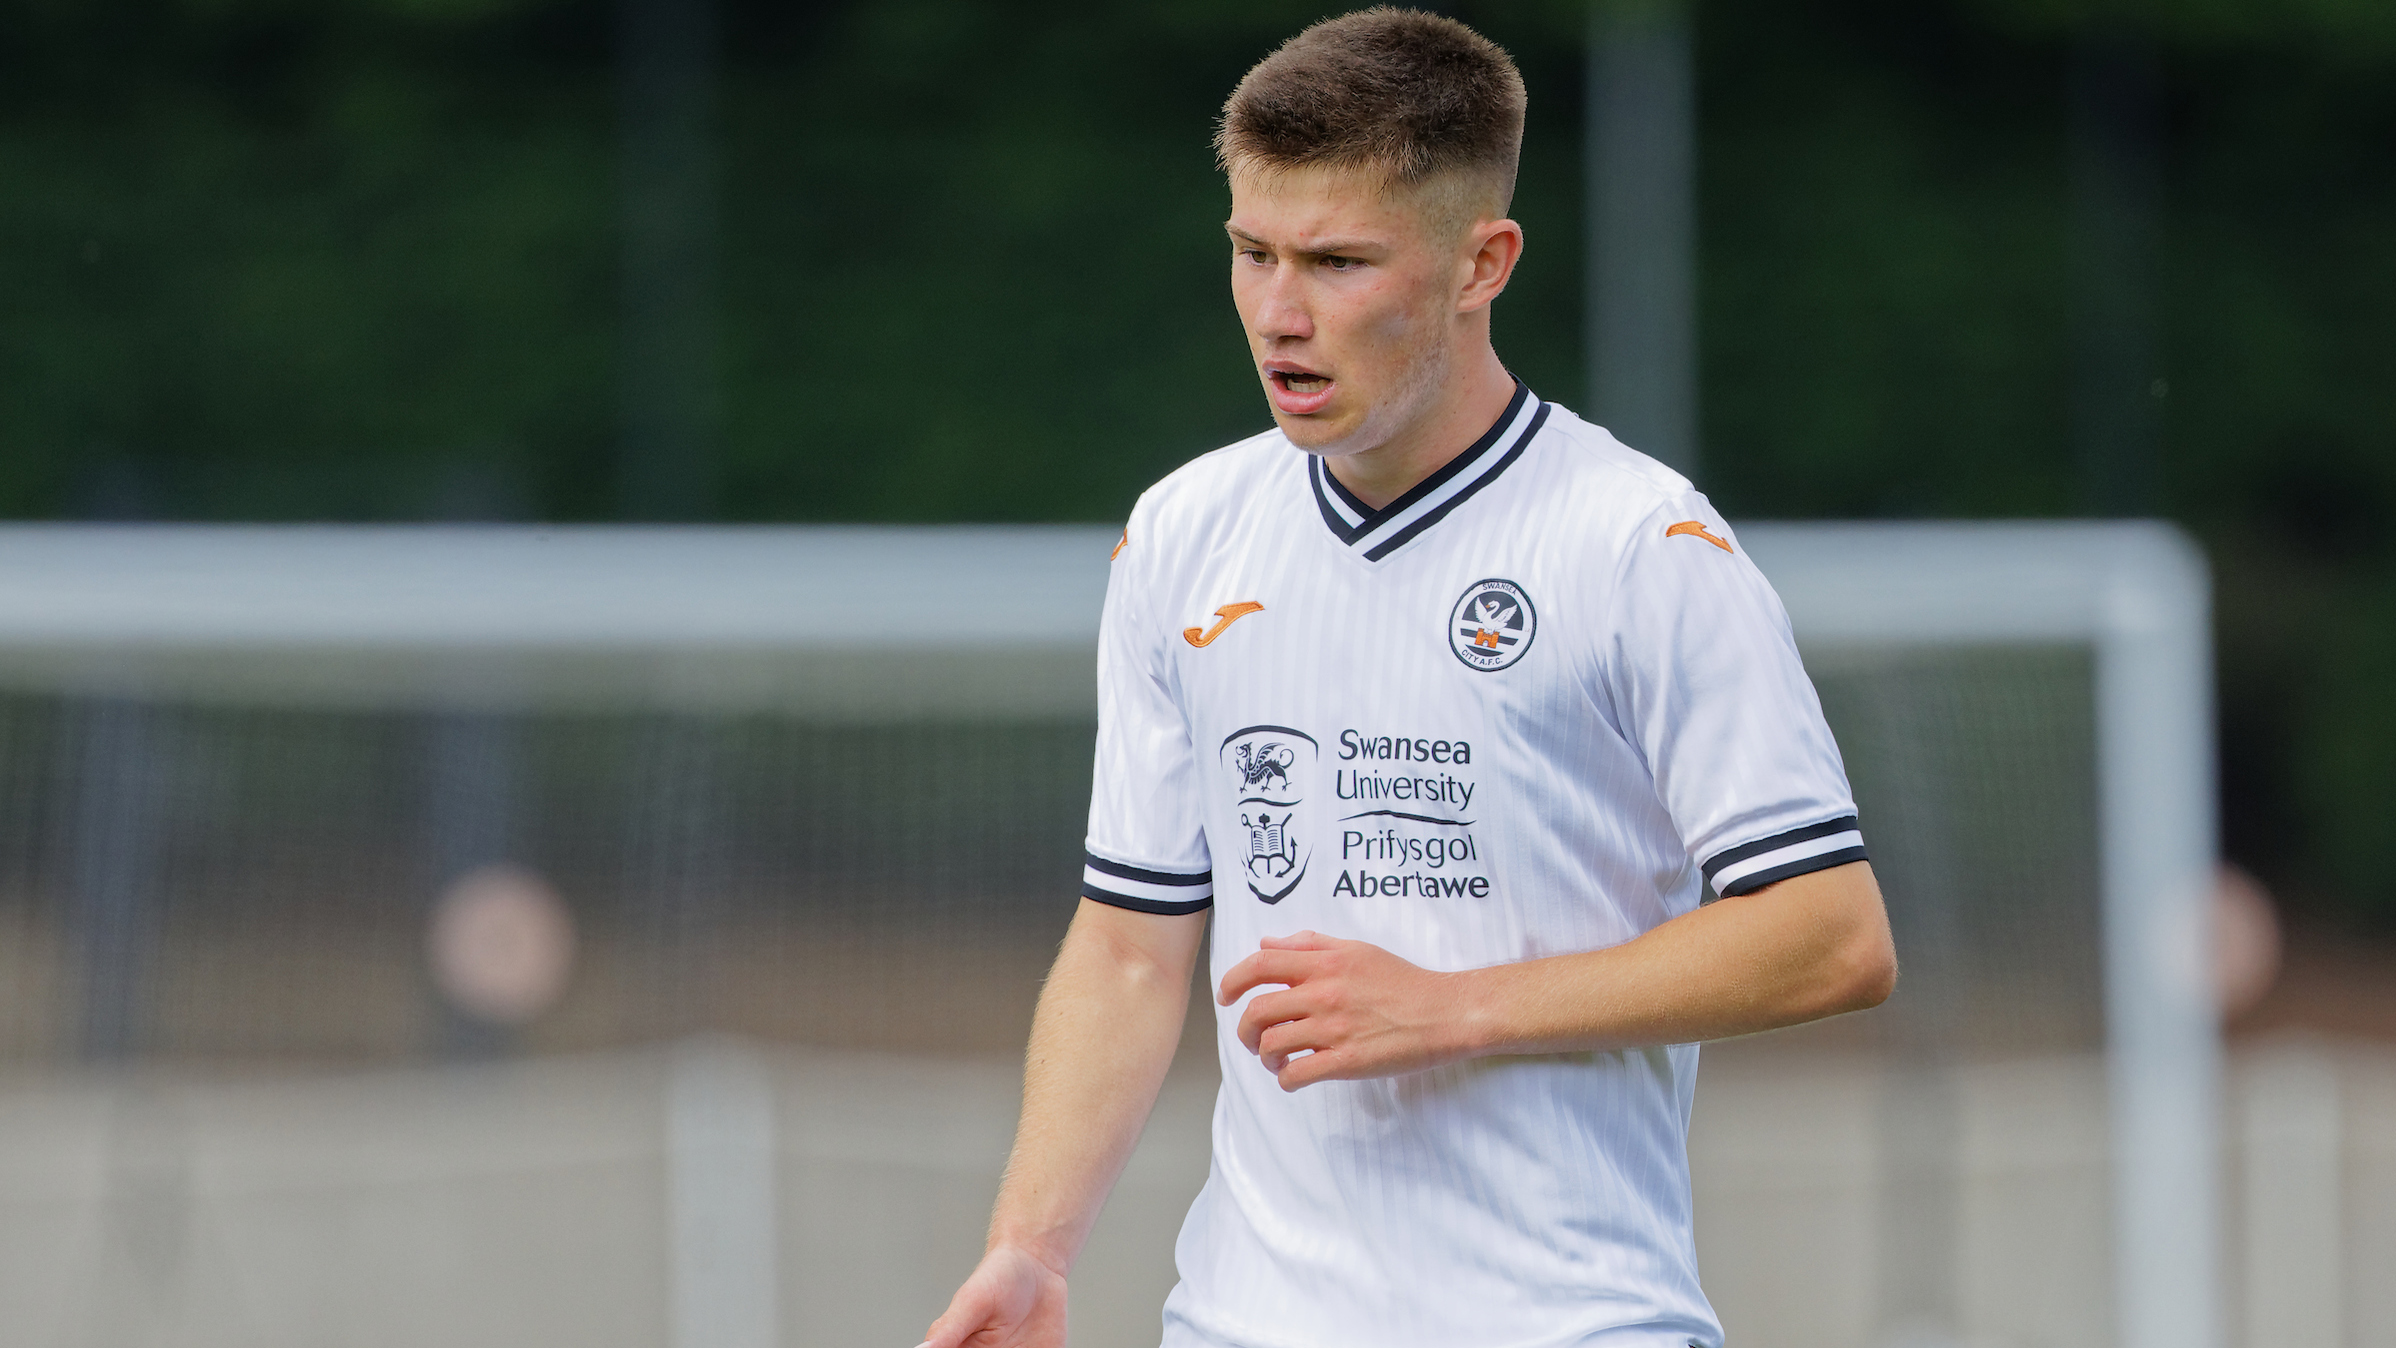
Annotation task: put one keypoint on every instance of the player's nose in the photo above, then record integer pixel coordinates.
(1282, 310)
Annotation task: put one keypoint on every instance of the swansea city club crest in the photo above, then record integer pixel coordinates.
(1492, 625)
(1269, 766)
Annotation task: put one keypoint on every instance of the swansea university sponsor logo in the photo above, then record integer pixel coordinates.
(1270, 766)
(1408, 833)
(1492, 625)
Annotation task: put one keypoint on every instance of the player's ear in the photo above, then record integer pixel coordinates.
(1489, 250)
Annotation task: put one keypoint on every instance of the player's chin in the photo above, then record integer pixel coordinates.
(1324, 432)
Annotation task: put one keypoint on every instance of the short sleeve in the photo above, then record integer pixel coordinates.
(1147, 842)
(1706, 677)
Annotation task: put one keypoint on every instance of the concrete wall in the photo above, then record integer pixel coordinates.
(533, 1203)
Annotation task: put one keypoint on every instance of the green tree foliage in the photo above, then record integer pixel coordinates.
(1887, 296)
(359, 259)
(981, 263)
(275, 261)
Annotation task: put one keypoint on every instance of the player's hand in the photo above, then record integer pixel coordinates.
(1011, 1301)
(1348, 1010)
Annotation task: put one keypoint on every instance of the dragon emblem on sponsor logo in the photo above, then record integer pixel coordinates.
(1264, 765)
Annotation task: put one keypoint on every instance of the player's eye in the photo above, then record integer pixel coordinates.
(1343, 263)
(1254, 255)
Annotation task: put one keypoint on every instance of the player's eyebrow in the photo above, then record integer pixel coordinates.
(1321, 248)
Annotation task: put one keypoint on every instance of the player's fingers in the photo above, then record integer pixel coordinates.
(1270, 1010)
(1261, 968)
(999, 1295)
(1277, 1042)
(970, 1311)
(1298, 940)
(1321, 1065)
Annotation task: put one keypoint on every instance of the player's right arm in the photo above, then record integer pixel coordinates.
(1110, 1015)
(1109, 1019)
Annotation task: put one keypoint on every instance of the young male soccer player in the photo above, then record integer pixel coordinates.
(1453, 709)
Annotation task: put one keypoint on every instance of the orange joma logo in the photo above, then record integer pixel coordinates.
(1694, 527)
(1226, 615)
(1120, 545)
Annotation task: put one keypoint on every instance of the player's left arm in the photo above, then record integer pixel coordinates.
(1810, 946)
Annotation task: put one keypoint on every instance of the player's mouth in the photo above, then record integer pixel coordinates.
(1296, 390)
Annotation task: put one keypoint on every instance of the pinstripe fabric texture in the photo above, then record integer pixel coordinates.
(1509, 716)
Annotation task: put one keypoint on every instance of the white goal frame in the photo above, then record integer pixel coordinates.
(2138, 594)
(870, 623)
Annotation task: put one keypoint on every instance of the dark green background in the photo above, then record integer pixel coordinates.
(358, 259)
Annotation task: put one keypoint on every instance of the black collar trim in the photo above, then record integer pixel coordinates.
(1378, 533)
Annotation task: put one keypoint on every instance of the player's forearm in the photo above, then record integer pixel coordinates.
(1109, 1019)
(1809, 947)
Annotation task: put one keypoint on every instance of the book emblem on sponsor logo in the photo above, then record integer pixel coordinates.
(1224, 617)
(1492, 624)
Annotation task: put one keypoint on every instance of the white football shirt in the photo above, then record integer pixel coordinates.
(1537, 705)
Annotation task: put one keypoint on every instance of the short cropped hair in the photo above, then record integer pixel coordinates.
(1414, 98)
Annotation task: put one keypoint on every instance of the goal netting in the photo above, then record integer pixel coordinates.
(601, 936)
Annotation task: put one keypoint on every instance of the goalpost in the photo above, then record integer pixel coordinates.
(825, 786)
(2138, 597)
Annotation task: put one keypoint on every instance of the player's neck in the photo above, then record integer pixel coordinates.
(1471, 404)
